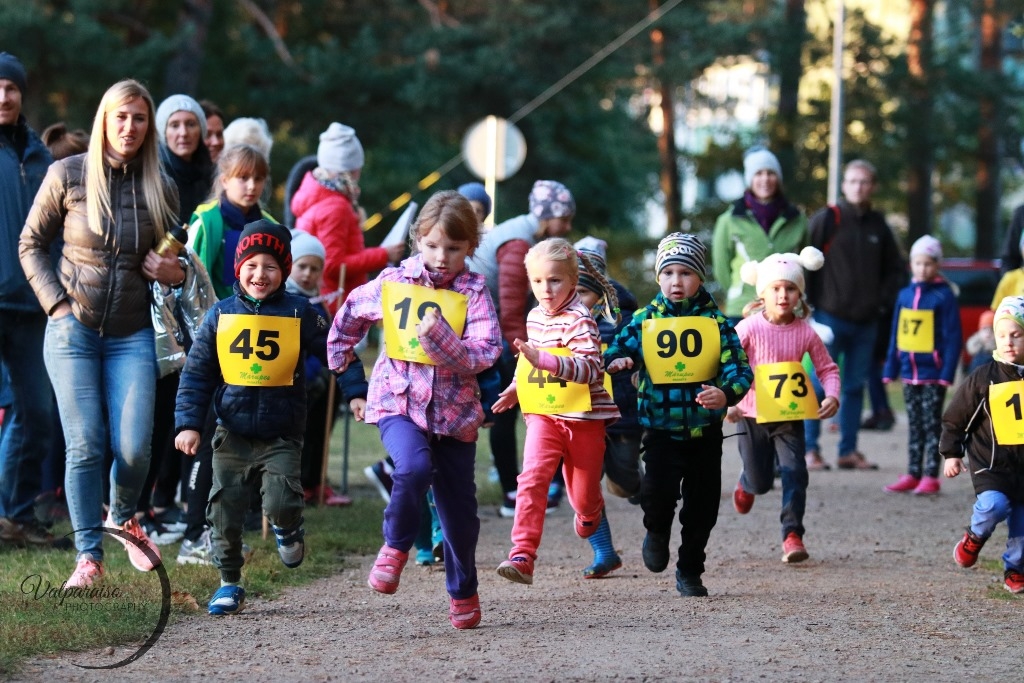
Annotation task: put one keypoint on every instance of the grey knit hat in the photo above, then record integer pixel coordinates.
(176, 103)
(684, 249)
(340, 149)
(760, 159)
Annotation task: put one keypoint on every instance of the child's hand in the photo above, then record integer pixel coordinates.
(953, 467)
(711, 398)
(618, 365)
(528, 350)
(733, 415)
(358, 408)
(506, 400)
(427, 322)
(187, 441)
(829, 407)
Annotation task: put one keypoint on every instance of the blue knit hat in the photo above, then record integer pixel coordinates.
(475, 192)
(13, 70)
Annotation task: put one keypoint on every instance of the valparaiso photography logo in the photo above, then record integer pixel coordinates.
(104, 598)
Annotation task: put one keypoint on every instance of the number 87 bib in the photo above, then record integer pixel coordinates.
(681, 350)
(258, 350)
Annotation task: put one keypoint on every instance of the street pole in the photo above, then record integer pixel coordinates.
(835, 148)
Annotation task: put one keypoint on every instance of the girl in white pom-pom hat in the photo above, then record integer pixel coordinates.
(775, 335)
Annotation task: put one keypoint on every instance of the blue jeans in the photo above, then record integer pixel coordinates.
(993, 507)
(105, 389)
(760, 445)
(855, 343)
(25, 440)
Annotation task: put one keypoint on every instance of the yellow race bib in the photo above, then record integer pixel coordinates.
(542, 393)
(607, 376)
(1005, 401)
(916, 331)
(681, 350)
(405, 305)
(783, 393)
(258, 350)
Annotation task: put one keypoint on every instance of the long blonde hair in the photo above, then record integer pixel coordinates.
(154, 181)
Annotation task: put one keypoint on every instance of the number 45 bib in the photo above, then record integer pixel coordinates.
(258, 350)
(681, 350)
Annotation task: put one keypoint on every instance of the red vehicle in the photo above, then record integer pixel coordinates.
(976, 280)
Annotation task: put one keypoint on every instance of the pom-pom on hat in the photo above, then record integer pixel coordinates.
(340, 150)
(304, 244)
(1011, 307)
(927, 245)
(475, 192)
(551, 199)
(13, 70)
(176, 103)
(789, 267)
(684, 249)
(760, 159)
(265, 237)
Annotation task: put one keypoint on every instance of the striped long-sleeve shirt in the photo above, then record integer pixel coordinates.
(573, 328)
(441, 399)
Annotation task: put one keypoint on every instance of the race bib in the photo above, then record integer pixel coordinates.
(607, 376)
(784, 393)
(258, 350)
(915, 332)
(542, 393)
(405, 305)
(681, 350)
(1004, 401)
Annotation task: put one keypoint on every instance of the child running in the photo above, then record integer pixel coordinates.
(559, 387)
(248, 360)
(691, 368)
(775, 336)
(924, 350)
(440, 330)
(983, 423)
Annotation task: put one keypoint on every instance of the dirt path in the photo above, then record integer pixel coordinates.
(880, 599)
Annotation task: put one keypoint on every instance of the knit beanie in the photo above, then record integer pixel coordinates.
(339, 149)
(593, 244)
(759, 159)
(264, 237)
(13, 70)
(551, 199)
(475, 192)
(249, 131)
(176, 103)
(1011, 307)
(927, 246)
(789, 267)
(304, 244)
(586, 279)
(682, 248)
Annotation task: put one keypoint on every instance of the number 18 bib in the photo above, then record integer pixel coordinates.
(1004, 400)
(258, 350)
(542, 393)
(681, 350)
(405, 305)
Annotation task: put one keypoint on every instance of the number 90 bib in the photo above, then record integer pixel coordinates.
(681, 350)
(405, 305)
(258, 350)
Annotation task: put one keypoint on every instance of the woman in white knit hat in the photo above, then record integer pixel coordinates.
(760, 223)
(326, 205)
(181, 125)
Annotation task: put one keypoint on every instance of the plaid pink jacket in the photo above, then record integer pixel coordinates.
(441, 399)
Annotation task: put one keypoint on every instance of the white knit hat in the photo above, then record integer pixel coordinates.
(927, 246)
(304, 244)
(760, 159)
(788, 267)
(340, 149)
(176, 103)
(249, 131)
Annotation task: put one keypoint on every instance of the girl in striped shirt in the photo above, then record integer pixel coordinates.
(564, 420)
(775, 333)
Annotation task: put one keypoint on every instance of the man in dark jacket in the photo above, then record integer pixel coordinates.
(862, 273)
(28, 423)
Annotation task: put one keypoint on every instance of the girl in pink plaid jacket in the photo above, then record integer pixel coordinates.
(423, 393)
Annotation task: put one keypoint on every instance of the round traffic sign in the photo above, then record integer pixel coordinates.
(493, 147)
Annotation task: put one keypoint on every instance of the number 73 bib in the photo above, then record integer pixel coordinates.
(681, 350)
(1004, 401)
(542, 393)
(258, 350)
(405, 305)
(783, 393)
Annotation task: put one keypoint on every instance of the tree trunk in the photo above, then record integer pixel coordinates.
(987, 174)
(669, 176)
(790, 69)
(182, 74)
(919, 104)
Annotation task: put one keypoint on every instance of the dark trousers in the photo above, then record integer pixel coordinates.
(423, 460)
(200, 479)
(760, 445)
(690, 470)
(504, 448)
(164, 475)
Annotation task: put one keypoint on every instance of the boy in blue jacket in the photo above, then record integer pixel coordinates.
(248, 359)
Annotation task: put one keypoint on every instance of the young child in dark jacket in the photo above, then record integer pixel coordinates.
(248, 359)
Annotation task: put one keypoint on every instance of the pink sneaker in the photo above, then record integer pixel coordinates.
(518, 569)
(929, 486)
(87, 572)
(905, 483)
(465, 613)
(142, 560)
(387, 570)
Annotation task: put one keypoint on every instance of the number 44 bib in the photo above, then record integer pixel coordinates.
(258, 350)
(542, 393)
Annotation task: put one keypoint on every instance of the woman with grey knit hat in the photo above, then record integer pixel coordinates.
(326, 205)
(181, 125)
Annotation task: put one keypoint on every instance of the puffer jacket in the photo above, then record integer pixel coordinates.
(100, 267)
(249, 411)
(938, 366)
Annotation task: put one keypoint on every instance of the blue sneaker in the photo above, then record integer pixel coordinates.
(555, 493)
(290, 544)
(424, 557)
(227, 600)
